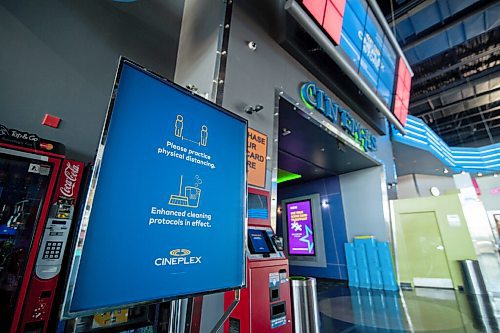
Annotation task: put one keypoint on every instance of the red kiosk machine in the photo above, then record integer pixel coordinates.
(38, 188)
(265, 304)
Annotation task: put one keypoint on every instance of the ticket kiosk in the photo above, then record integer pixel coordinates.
(265, 304)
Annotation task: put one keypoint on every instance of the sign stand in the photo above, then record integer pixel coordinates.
(228, 312)
(177, 313)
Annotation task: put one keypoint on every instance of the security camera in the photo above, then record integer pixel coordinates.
(252, 46)
(252, 109)
(257, 108)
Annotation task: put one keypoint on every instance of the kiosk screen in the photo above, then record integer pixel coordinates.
(259, 242)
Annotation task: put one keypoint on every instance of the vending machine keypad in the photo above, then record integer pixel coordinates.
(52, 250)
(53, 243)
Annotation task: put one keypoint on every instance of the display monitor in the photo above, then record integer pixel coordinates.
(259, 242)
(300, 228)
(257, 206)
(169, 183)
(353, 26)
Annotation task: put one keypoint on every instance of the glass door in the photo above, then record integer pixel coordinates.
(24, 185)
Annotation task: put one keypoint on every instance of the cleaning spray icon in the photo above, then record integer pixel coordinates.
(191, 196)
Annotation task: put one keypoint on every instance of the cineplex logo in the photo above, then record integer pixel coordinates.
(178, 257)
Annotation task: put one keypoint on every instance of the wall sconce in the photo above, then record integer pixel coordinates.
(279, 210)
(325, 203)
(253, 109)
(285, 131)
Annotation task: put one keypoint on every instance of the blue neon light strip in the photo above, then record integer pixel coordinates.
(419, 135)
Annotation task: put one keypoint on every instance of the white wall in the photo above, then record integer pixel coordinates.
(415, 185)
(486, 185)
(364, 197)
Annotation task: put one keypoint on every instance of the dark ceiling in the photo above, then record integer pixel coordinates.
(306, 149)
(453, 47)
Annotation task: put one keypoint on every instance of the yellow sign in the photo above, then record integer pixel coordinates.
(112, 318)
(256, 158)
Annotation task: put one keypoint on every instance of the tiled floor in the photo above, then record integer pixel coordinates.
(344, 309)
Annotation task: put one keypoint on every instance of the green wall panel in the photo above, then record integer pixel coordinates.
(424, 213)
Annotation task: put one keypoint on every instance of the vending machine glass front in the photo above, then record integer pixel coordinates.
(23, 187)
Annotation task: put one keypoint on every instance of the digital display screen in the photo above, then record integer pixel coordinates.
(300, 228)
(352, 25)
(257, 206)
(191, 157)
(259, 242)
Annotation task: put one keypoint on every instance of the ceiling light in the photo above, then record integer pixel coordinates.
(285, 131)
(495, 175)
(445, 170)
(479, 174)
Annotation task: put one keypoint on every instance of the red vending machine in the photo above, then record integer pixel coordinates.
(265, 304)
(38, 188)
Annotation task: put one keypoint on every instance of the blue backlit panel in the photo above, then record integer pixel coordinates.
(484, 159)
(364, 41)
(353, 26)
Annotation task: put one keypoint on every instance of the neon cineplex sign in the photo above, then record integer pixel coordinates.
(315, 98)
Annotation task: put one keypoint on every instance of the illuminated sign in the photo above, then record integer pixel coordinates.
(315, 98)
(166, 213)
(402, 96)
(469, 159)
(300, 228)
(256, 158)
(353, 26)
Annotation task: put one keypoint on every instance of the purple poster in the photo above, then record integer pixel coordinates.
(300, 228)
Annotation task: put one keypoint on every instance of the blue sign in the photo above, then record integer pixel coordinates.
(315, 98)
(365, 43)
(167, 217)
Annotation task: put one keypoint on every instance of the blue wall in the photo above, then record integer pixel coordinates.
(333, 226)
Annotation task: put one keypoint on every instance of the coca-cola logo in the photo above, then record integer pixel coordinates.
(71, 176)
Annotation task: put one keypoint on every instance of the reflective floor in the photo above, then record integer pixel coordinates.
(344, 309)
